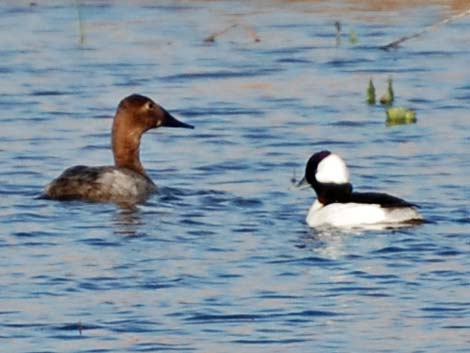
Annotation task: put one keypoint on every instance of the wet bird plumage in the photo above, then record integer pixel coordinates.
(126, 181)
(338, 205)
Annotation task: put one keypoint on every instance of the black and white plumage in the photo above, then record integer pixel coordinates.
(338, 205)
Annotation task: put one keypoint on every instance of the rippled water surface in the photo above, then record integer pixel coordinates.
(221, 259)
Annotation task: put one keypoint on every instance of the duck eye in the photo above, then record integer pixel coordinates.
(150, 106)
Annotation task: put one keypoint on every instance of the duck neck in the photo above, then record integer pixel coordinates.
(126, 148)
(330, 192)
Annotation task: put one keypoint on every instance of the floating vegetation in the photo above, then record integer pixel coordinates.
(370, 93)
(388, 97)
(400, 116)
(395, 115)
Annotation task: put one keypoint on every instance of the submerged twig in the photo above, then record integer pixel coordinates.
(338, 33)
(213, 36)
(248, 29)
(252, 33)
(293, 178)
(81, 24)
(397, 42)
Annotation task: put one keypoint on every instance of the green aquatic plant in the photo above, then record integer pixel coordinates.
(389, 96)
(400, 116)
(370, 93)
(353, 38)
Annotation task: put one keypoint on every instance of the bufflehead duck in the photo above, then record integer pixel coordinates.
(337, 205)
(126, 181)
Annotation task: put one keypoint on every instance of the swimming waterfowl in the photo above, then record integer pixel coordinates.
(337, 205)
(126, 181)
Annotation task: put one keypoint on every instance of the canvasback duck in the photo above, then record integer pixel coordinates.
(126, 181)
(337, 205)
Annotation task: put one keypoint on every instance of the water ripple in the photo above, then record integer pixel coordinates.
(208, 318)
(220, 74)
(220, 259)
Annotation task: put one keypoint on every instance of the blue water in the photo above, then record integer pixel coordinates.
(221, 259)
